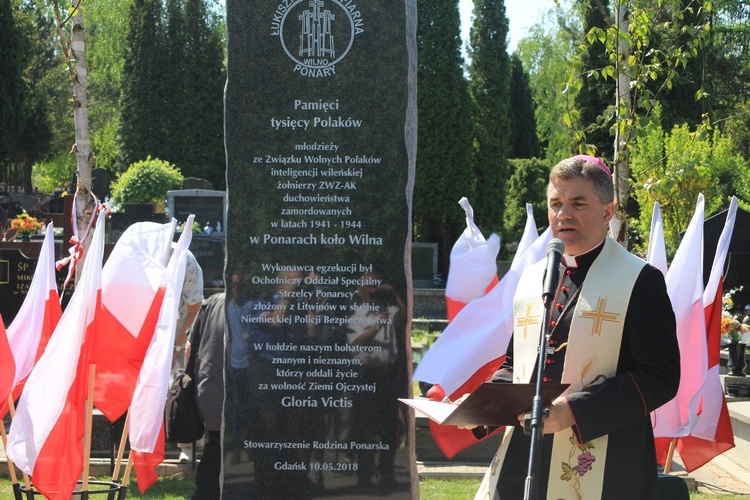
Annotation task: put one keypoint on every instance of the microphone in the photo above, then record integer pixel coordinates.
(555, 249)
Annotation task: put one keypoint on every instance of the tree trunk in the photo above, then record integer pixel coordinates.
(84, 205)
(621, 175)
(26, 180)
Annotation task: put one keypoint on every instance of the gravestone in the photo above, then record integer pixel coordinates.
(321, 133)
(196, 183)
(209, 252)
(16, 273)
(424, 259)
(208, 205)
(17, 266)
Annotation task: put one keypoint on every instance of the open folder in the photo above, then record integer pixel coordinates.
(490, 404)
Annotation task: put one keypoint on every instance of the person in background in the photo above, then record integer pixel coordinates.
(191, 300)
(239, 362)
(612, 337)
(207, 336)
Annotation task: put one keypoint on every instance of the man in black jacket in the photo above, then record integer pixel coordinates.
(612, 337)
(207, 336)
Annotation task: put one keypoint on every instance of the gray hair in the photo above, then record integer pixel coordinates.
(577, 167)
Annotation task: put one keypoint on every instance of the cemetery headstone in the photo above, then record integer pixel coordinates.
(321, 133)
(16, 273)
(17, 267)
(208, 205)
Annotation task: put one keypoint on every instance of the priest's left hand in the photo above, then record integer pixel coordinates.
(560, 417)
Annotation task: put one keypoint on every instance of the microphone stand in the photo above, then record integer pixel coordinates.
(534, 424)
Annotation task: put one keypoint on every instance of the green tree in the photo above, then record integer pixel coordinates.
(106, 30)
(527, 184)
(173, 80)
(673, 168)
(489, 73)
(443, 171)
(679, 102)
(727, 71)
(176, 142)
(42, 88)
(146, 181)
(26, 123)
(12, 63)
(646, 54)
(203, 88)
(143, 103)
(545, 52)
(727, 56)
(596, 98)
(523, 140)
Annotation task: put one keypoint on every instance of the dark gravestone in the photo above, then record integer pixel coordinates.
(208, 206)
(209, 252)
(196, 183)
(101, 182)
(17, 267)
(16, 273)
(55, 206)
(320, 132)
(424, 264)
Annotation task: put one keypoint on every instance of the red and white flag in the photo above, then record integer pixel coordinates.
(657, 249)
(46, 435)
(479, 334)
(32, 327)
(150, 396)
(473, 265)
(685, 288)
(133, 285)
(7, 364)
(712, 434)
(473, 345)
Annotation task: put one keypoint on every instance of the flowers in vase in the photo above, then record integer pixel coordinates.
(25, 225)
(733, 330)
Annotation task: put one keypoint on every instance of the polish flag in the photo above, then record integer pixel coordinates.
(7, 363)
(46, 435)
(685, 288)
(150, 396)
(32, 327)
(712, 434)
(657, 250)
(473, 265)
(473, 345)
(133, 285)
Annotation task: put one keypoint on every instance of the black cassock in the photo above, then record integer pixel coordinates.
(648, 375)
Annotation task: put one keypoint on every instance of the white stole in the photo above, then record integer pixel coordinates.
(591, 356)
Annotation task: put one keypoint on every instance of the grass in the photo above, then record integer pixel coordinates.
(168, 488)
(181, 488)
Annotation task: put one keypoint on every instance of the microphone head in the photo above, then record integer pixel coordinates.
(555, 245)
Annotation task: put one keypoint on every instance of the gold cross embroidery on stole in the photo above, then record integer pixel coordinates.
(599, 315)
(527, 320)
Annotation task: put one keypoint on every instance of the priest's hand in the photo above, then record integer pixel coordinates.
(560, 417)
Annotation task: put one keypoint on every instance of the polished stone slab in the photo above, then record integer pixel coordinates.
(321, 134)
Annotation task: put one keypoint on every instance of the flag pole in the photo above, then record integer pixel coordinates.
(128, 468)
(89, 425)
(121, 449)
(11, 467)
(670, 454)
(12, 411)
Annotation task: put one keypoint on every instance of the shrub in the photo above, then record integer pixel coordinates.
(146, 181)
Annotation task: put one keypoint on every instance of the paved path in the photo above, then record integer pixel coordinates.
(711, 478)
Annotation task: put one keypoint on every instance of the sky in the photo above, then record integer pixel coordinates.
(521, 15)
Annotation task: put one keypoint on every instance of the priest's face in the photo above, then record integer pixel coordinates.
(577, 216)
